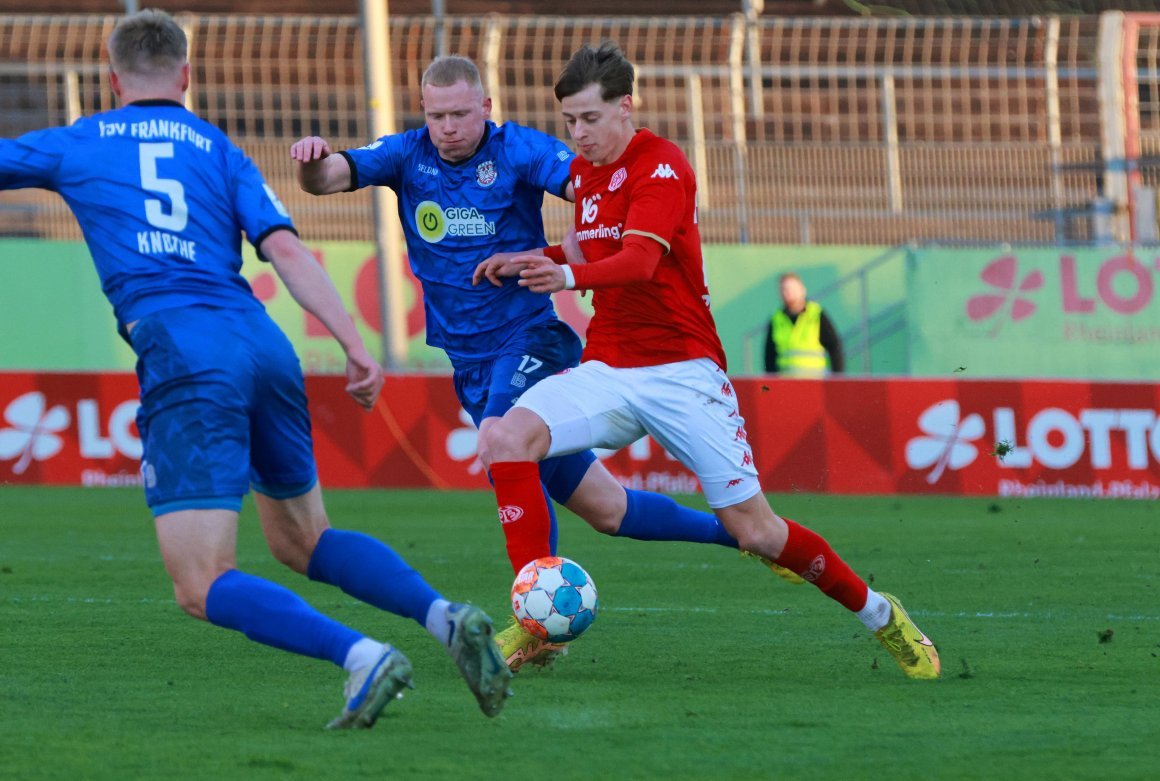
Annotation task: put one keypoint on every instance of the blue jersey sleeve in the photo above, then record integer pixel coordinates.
(380, 162)
(258, 207)
(544, 161)
(31, 160)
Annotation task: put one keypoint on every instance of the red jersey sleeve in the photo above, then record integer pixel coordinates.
(657, 202)
(636, 262)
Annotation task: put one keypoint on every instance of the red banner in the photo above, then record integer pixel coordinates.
(847, 436)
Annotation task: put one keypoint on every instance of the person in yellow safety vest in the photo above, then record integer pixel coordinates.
(800, 336)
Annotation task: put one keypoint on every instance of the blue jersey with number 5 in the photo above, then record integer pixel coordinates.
(162, 198)
(455, 215)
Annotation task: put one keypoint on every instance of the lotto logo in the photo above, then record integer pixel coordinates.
(664, 171)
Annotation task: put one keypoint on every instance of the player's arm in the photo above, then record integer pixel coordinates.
(502, 264)
(636, 261)
(314, 291)
(31, 160)
(319, 171)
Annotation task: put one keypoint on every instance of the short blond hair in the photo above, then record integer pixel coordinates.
(449, 70)
(146, 43)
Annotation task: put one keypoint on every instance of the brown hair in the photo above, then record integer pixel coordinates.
(606, 66)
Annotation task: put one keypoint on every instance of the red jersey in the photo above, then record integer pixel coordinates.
(649, 191)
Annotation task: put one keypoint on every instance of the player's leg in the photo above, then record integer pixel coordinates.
(537, 352)
(527, 536)
(194, 425)
(808, 554)
(299, 534)
(612, 509)
(713, 444)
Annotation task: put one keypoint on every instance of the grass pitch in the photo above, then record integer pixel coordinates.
(701, 665)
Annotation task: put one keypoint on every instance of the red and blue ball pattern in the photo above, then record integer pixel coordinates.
(554, 599)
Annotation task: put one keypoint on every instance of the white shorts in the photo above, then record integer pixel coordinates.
(688, 407)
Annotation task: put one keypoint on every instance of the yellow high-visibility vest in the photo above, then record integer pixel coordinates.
(799, 343)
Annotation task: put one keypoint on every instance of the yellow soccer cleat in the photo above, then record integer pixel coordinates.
(519, 647)
(913, 650)
(788, 575)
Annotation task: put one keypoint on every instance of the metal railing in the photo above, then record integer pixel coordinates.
(869, 131)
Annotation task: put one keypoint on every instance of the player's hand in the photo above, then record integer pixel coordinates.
(364, 377)
(309, 149)
(540, 274)
(498, 265)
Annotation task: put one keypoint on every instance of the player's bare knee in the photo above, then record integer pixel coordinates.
(603, 512)
(515, 437)
(293, 546)
(191, 600)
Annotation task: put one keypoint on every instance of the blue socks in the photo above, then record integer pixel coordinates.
(273, 615)
(371, 572)
(652, 516)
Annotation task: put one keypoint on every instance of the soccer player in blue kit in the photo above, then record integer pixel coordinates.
(162, 198)
(470, 190)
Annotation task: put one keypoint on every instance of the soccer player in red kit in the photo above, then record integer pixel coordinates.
(653, 362)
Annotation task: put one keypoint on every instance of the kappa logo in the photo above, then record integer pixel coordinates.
(33, 432)
(664, 171)
(510, 513)
(617, 180)
(1007, 295)
(576, 182)
(946, 444)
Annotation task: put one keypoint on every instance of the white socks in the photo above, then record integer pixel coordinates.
(876, 614)
(437, 623)
(364, 653)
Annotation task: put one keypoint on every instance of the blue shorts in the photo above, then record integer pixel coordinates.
(223, 405)
(490, 388)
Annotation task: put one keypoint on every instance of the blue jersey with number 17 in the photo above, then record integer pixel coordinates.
(455, 215)
(162, 198)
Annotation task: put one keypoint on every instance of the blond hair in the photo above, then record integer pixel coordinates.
(147, 43)
(450, 70)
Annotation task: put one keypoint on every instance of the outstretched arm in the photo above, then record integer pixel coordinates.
(312, 288)
(319, 171)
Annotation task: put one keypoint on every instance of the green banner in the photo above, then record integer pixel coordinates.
(54, 317)
(745, 289)
(1043, 312)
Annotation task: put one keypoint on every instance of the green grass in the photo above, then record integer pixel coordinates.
(701, 665)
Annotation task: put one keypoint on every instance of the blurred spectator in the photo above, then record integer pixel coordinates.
(801, 336)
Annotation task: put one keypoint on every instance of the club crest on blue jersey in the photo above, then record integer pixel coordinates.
(485, 174)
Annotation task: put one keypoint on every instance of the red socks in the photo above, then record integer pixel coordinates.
(523, 511)
(810, 556)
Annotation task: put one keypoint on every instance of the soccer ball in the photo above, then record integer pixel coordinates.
(554, 599)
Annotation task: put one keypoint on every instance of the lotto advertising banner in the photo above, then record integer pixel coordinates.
(847, 436)
(1035, 312)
